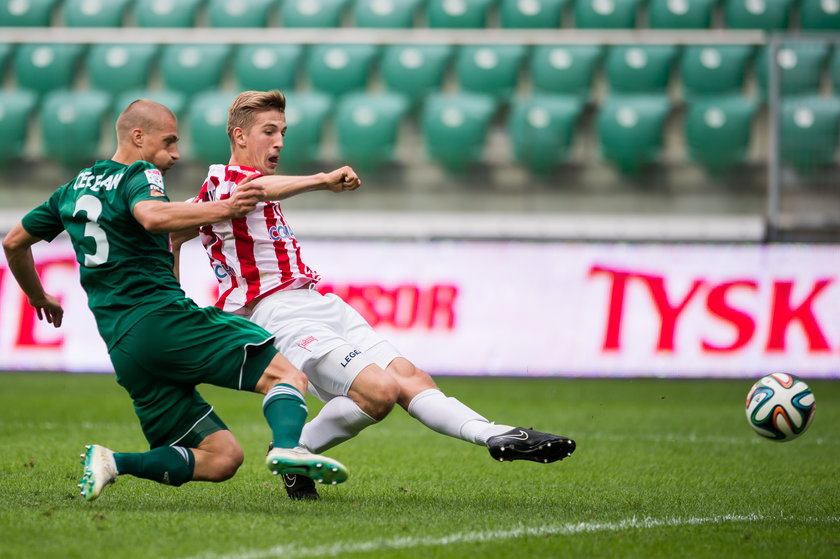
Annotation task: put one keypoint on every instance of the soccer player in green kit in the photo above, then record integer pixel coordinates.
(161, 344)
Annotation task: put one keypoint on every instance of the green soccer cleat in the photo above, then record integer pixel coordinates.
(100, 470)
(300, 461)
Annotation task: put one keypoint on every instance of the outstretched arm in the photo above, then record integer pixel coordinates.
(18, 248)
(177, 239)
(280, 187)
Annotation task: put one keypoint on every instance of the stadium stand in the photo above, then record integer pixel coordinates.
(490, 69)
(822, 15)
(242, 13)
(462, 14)
(639, 69)
(263, 67)
(367, 125)
(630, 130)
(385, 13)
(306, 114)
(94, 13)
(46, 67)
(16, 108)
(26, 13)
(166, 13)
(414, 70)
(71, 125)
(768, 15)
(193, 68)
(714, 69)
(606, 14)
(717, 130)
(207, 121)
(564, 69)
(542, 130)
(340, 69)
(312, 13)
(455, 128)
(809, 126)
(532, 14)
(119, 68)
(681, 14)
(800, 67)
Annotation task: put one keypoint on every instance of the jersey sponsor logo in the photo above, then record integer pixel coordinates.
(350, 356)
(304, 343)
(155, 179)
(96, 183)
(280, 232)
(222, 271)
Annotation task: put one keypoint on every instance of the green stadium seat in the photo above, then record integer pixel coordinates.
(207, 117)
(16, 107)
(368, 127)
(385, 13)
(606, 14)
(175, 101)
(681, 14)
(29, 13)
(305, 117)
(718, 129)
(340, 69)
(242, 13)
(312, 13)
(639, 69)
(809, 131)
(5, 55)
(821, 15)
(166, 13)
(71, 125)
(630, 130)
(834, 71)
(714, 69)
(193, 68)
(118, 68)
(565, 69)
(455, 128)
(542, 129)
(94, 13)
(801, 66)
(264, 67)
(769, 15)
(464, 14)
(491, 69)
(414, 70)
(45, 67)
(532, 14)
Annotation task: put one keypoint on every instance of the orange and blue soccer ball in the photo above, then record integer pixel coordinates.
(780, 407)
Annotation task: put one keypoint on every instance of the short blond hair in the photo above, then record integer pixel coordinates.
(247, 104)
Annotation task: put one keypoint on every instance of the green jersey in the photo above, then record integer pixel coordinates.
(126, 271)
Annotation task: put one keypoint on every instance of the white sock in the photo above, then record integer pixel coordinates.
(339, 420)
(450, 417)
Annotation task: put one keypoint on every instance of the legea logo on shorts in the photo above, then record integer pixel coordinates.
(350, 357)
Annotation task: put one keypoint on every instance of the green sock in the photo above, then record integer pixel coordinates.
(285, 410)
(171, 465)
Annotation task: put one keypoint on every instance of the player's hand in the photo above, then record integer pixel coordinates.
(249, 188)
(342, 179)
(48, 308)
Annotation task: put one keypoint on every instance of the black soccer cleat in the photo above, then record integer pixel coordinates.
(300, 487)
(526, 444)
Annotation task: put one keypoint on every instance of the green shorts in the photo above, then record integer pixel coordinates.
(162, 358)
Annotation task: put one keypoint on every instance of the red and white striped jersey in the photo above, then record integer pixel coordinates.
(254, 255)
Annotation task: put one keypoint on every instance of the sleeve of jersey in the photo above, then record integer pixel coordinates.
(144, 182)
(44, 221)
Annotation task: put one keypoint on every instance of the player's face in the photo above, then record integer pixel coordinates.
(160, 146)
(264, 140)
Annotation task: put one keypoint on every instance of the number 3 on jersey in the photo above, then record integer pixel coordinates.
(93, 208)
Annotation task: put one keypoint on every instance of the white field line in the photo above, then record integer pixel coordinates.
(294, 551)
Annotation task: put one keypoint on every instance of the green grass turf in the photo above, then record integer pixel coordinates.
(664, 468)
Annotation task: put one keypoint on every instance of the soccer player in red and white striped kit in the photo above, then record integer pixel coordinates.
(359, 374)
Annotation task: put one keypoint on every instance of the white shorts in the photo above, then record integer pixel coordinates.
(307, 326)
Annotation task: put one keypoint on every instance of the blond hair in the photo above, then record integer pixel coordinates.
(247, 104)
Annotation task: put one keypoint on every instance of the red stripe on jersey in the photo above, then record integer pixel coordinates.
(245, 252)
(280, 250)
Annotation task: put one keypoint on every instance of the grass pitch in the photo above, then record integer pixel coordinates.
(664, 468)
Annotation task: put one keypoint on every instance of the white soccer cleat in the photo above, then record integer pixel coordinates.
(100, 470)
(300, 461)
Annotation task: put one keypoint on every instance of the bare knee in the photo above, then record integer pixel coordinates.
(224, 466)
(375, 392)
(280, 370)
(410, 380)
(218, 457)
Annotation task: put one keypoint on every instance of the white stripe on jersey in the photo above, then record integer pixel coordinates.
(254, 255)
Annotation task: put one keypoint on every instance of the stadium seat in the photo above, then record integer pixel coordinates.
(71, 125)
(29, 13)
(564, 69)
(714, 69)
(94, 13)
(533, 14)
(717, 130)
(630, 130)
(490, 69)
(305, 116)
(414, 70)
(312, 13)
(680, 14)
(166, 13)
(800, 64)
(542, 129)
(5, 55)
(193, 68)
(16, 107)
(455, 128)
(368, 127)
(173, 100)
(639, 69)
(834, 71)
(340, 69)
(385, 13)
(823, 15)
(45, 67)
(606, 14)
(241, 13)
(264, 67)
(117, 68)
(809, 130)
(768, 15)
(207, 117)
(458, 13)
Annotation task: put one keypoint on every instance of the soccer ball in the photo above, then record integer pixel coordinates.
(780, 407)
